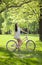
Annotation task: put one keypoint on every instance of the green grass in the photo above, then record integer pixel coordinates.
(8, 58)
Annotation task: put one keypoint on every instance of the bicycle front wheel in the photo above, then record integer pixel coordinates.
(11, 45)
(30, 45)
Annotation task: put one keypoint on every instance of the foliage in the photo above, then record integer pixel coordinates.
(1, 21)
(33, 27)
(19, 11)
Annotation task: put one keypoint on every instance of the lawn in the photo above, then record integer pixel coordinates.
(8, 58)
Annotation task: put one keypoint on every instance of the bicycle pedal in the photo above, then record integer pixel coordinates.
(12, 45)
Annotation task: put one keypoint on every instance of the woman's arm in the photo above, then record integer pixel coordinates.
(23, 31)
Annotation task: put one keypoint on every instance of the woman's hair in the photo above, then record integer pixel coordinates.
(16, 27)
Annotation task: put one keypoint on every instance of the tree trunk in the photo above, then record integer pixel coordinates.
(40, 24)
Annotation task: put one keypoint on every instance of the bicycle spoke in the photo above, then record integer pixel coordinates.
(11, 45)
(30, 45)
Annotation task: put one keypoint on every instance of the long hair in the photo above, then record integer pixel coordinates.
(16, 27)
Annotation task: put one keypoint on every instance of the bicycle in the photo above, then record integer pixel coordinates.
(30, 45)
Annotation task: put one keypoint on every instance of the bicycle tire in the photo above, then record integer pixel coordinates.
(9, 46)
(30, 45)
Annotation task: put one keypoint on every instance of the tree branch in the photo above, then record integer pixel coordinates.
(15, 6)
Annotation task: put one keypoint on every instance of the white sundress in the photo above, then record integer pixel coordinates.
(17, 34)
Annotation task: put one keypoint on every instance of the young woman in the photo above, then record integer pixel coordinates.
(17, 35)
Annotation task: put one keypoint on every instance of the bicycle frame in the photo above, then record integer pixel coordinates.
(15, 44)
(25, 38)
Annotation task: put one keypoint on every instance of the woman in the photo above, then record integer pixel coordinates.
(17, 35)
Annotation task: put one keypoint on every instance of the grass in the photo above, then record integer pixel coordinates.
(8, 58)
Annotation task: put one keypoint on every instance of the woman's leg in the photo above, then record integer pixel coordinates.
(19, 42)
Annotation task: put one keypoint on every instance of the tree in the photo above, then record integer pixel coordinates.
(19, 3)
(1, 21)
(40, 21)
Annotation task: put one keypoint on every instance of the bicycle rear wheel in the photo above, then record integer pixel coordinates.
(30, 45)
(11, 45)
